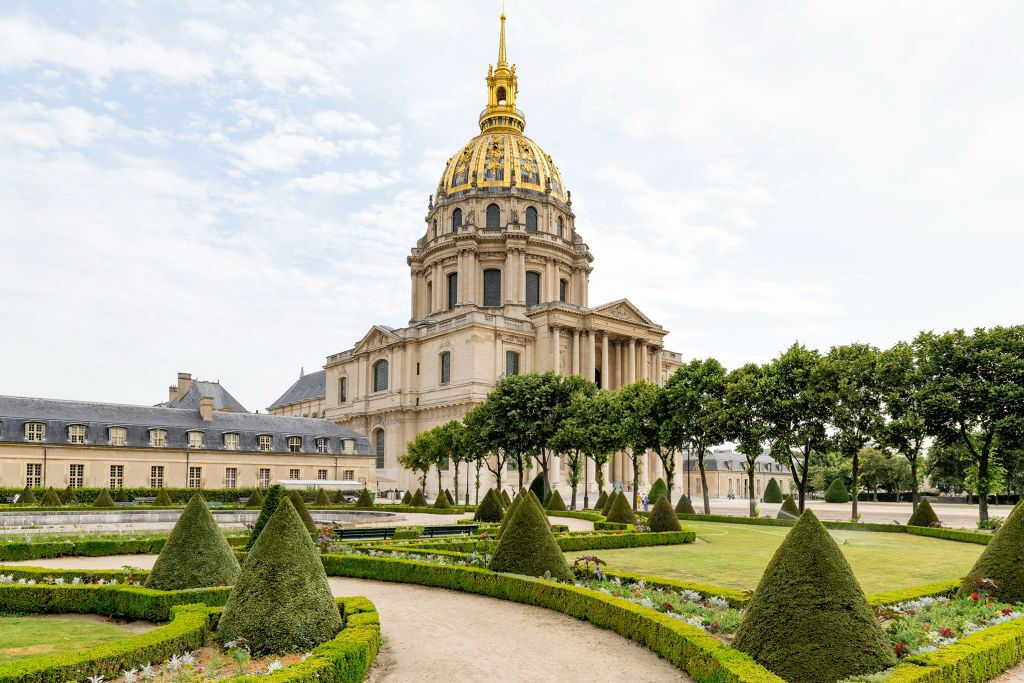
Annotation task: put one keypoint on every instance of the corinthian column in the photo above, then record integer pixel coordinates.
(575, 369)
(555, 355)
(606, 378)
(591, 355)
(631, 350)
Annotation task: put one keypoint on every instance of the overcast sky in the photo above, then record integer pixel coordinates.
(231, 189)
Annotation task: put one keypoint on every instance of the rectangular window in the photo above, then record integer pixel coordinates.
(76, 476)
(158, 438)
(323, 445)
(349, 475)
(293, 474)
(511, 363)
(562, 286)
(512, 467)
(444, 465)
(117, 476)
(294, 444)
(34, 474)
(321, 475)
(230, 477)
(195, 477)
(263, 479)
(453, 290)
(446, 367)
(156, 476)
(195, 439)
(35, 431)
(492, 287)
(265, 442)
(532, 288)
(342, 389)
(76, 433)
(118, 436)
(231, 442)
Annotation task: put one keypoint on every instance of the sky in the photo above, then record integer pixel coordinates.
(231, 188)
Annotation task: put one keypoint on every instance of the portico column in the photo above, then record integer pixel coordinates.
(657, 365)
(644, 368)
(591, 356)
(555, 340)
(575, 351)
(620, 357)
(632, 360)
(605, 376)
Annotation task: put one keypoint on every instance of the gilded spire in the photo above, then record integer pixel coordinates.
(502, 88)
(502, 59)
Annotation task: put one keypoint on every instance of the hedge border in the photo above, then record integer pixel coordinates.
(769, 521)
(958, 535)
(974, 658)
(119, 600)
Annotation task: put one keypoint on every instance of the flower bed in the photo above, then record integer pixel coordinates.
(925, 624)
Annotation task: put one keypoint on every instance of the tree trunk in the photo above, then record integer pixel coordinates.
(439, 489)
(636, 480)
(572, 506)
(750, 480)
(854, 486)
(455, 484)
(983, 495)
(704, 485)
(586, 489)
(520, 468)
(913, 484)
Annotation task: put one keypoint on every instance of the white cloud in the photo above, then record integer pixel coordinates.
(347, 182)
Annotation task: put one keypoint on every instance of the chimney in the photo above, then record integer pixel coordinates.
(184, 383)
(206, 408)
(172, 392)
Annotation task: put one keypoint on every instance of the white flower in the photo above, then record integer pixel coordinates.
(6, 578)
(59, 581)
(692, 596)
(147, 672)
(101, 582)
(188, 658)
(95, 679)
(647, 602)
(75, 581)
(22, 581)
(720, 603)
(174, 663)
(274, 666)
(130, 676)
(694, 621)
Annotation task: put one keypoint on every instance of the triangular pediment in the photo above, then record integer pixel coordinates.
(623, 309)
(377, 337)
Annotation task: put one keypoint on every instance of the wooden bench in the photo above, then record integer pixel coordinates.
(364, 534)
(145, 499)
(454, 530)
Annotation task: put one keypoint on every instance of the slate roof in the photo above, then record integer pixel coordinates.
(222, 399)
(57, 415)
(313, 385)
(731, 461)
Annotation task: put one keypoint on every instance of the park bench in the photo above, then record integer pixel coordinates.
(364, 534)
(454, 530)
(147, 500)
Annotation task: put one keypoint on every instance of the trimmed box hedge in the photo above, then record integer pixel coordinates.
(769, 521)
(974, 658)
(98, 547)
(576, 514)
(951, 534)
(121, 601)
(928, 590)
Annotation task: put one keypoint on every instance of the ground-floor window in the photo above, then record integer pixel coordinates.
(195, 477)
(263, 480)
(156, 476)
(117, 476)
(230, 477)
(34, 474)
(76, 476)
(350, 475)
(321, 475)
(294, 474)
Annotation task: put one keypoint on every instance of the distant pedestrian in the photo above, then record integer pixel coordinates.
(646, 502)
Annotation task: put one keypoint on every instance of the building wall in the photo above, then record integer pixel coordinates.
(311, 408)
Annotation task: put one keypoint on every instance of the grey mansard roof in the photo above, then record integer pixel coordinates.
(730, 461)
(57, 415)
(306, 387)
(222, 399)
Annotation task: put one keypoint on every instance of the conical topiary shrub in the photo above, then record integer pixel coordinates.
(255, 500)
(270, 502)
(51, 499)
(924, 515)
(365, 501)
(511, 509)
(27, 497)
(663, 517)
(555, 501)
(442, 502)
(508, 500)
(772, 492)
(837, 492)
(684, 506)
(1003, 560)
(419, 500)
(621, 512)
(281, 601)
(527, 545)
(540, 487)
(300, 507)
(68, 497)
(658, 489)
(609, 502)
(809, 620)
(407, 498)
(489, 509)
(163, 499)
(196, 554)
(789, 509)
(103, 500)
(448, 495)
(601, 500)
(322, 499)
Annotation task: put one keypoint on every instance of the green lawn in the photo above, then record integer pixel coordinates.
(735, 555)
(23, 637)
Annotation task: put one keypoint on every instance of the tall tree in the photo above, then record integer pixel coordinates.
(640, 424)
(602, 416)
(450, 449)
(903, 429)
(514, 419)
(798, 406)
(695, 412)
(418, 456)
(974, 395)
(852, 371)
(559, 394)
(876, 470)
(482, 441)
(744, 419)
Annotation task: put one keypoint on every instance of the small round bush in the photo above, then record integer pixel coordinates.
(489, 509)
(196, 554)
(621, 512)
(789, 509)
(772, 492)
(255, 500)
(924, 515)
(837, 492)
(103, 500)
(419, 500)
(365, 501)
(442, 502)
(270, 503)
(527, 545)
(663, 517)
(163, 499)
(68, 497)
(407, 498)
(555, 501)
(609, 502)
(322, 499)
(601, 500)
(684, 506)
(300, 507)
(1003, 560)
(658, 489)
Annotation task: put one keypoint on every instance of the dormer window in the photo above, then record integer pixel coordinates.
(231, 441)
(265, 442)
(35, 431)
(195, 439)
(118, 436)
(294, 444)
(158, 438)
(76, 433)
(323, 445)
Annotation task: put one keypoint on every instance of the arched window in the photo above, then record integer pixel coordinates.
(380, 375)
(378, 447)
(511, 363)
(446, 367)
(435, 227)
(430, 297)
(502, 99)
(532, 288)
(531, 219)
(492, 287)
(493, 216)
(456, 220)
(561, 227)
(453, 290)
(563, 286)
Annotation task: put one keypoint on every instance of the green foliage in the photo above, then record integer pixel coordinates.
(609, 502)
(829, 630)
(300, 507)
(103, 500)
(837, 493)
(51, 499)
(924, 515)
(620, 511)
(663, 517)
(195, 555)
(772, 492)
(555, 501)
(540, 487)
(1003, 560)
(27, 497)
(978, 657)
(255, 499)
(162, 499)
(449, 496)
(322, 499)
(658, 489)
(511, 509)
(527, 545)
(270, 502)
(407, 498)
(505, 497)
(364, 499)
(442, 502)
(683, 505)
(789, 510)
(601, 500)
(419, 500)
(951, 534)
(489, 509)
(281, 601)
(68, 497)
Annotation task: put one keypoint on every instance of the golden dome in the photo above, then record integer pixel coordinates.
(502, 159)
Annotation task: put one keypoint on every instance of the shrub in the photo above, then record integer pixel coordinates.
(601, 500)
(808, 620)
(489, 509)
(407, 498)
(511, 509)
(1003, 560)
(663, 517)
(51, 499)
(540, 487)
(365, 501)
(68, 497)
(419, 500)
(255, 500)
(195, 555)
(27, 497)
(281, 601)
(789, 509)
(684, 506)
(924, 515)
(837, 492)
(449, 496)
(442, 502)
(527, 545)
(658, 489)
(621, 512)
(103, 500)
(163, 499)
(609, 502)
(270, 502)
(322, 499)
(505, 497)
(772, 492)
(555, 501)
(300, 507)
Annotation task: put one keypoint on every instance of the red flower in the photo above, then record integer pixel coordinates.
(946, 632)
(668, 606)
(927, 627)
(974, 596)
(901, 649)
(1007, 611)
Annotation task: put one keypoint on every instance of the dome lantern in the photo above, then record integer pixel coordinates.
(501, 114)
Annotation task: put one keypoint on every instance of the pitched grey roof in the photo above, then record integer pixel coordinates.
(222, 400)
(313, 385)
(57, 414)
(730, 461)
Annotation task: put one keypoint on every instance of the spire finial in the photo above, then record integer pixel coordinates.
(502, 59)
